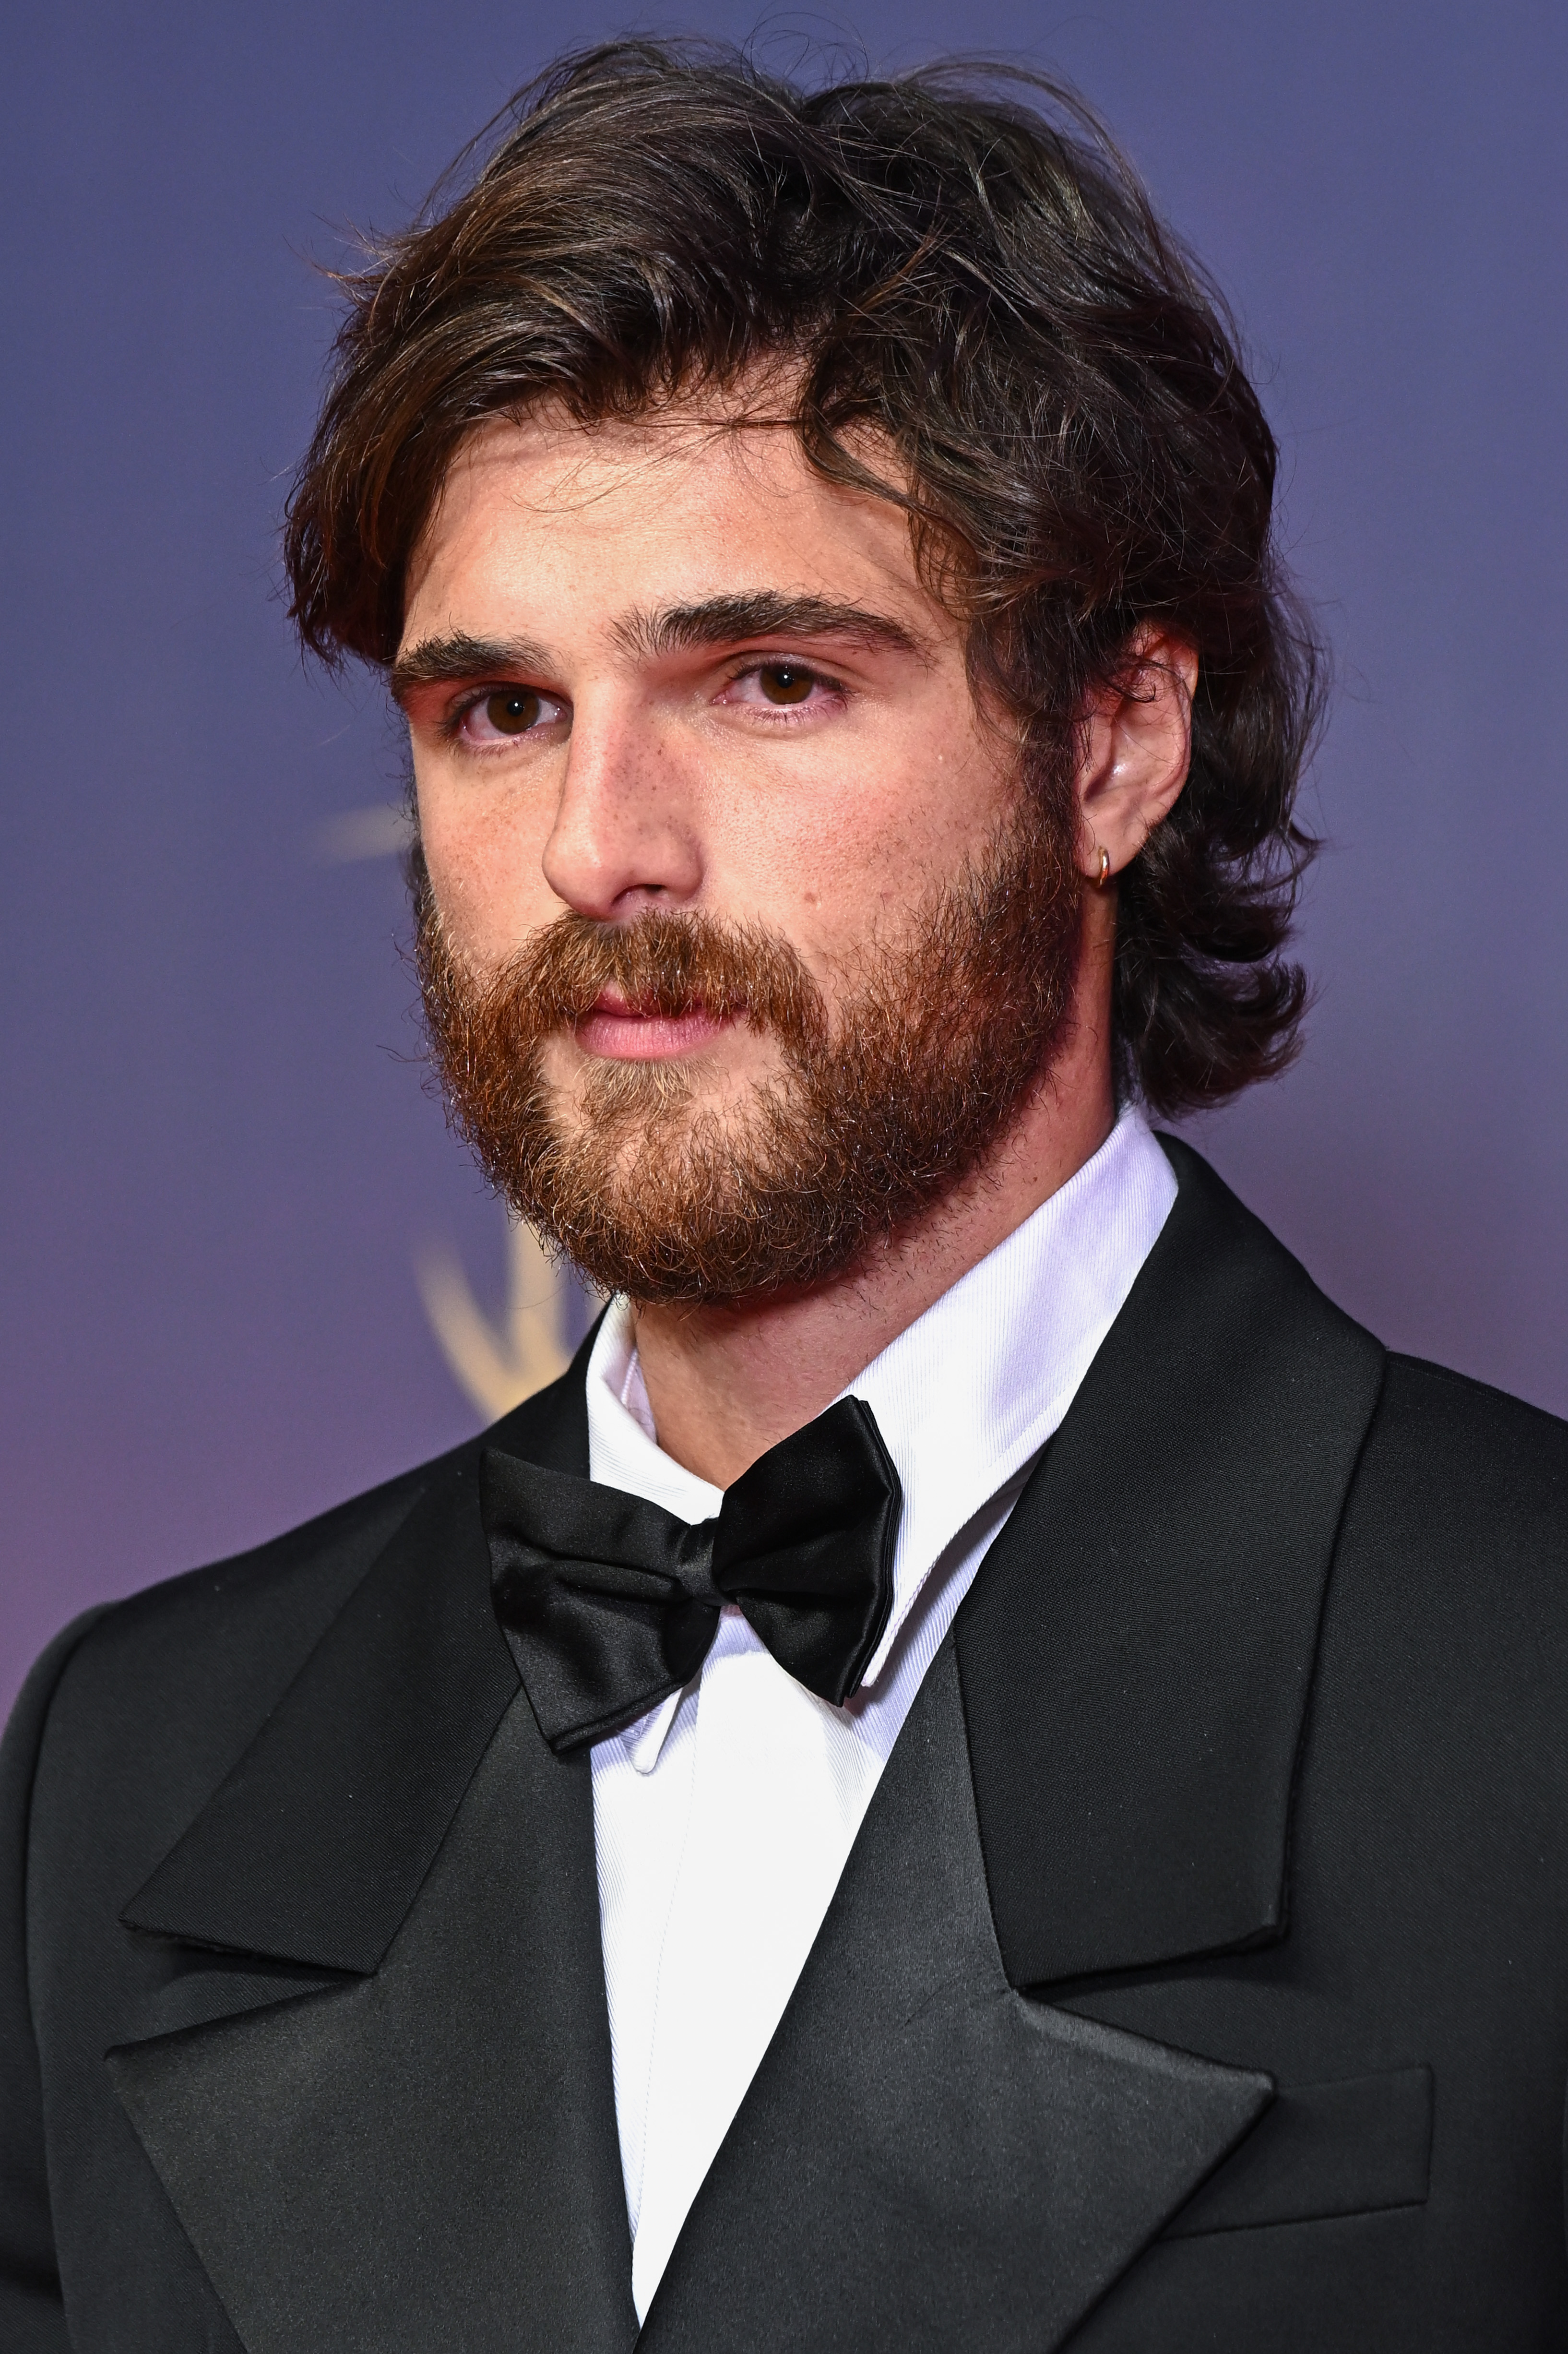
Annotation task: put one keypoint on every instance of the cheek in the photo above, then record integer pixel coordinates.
(486, 872)
(843, 859)
(913, 823)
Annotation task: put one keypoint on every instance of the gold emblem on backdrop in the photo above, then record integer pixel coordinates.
(497, 1364)
(501, 1363)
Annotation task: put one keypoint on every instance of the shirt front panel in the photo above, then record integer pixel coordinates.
(723, 1818)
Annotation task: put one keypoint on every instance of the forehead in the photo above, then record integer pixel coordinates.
(691, 505)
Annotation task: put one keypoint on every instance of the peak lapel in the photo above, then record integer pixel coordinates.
(314, 1847)
(316, 1844)
(1137, 1656)
(925, 2158)
(426, 2157)
(423, 2153)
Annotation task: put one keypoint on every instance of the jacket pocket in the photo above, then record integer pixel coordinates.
(1322, 2150)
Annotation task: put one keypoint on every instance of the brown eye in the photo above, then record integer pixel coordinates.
(513, 710)
(784, 682)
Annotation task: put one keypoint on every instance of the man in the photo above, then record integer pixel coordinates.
(984, 1770)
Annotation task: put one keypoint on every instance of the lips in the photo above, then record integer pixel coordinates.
(622, 1031)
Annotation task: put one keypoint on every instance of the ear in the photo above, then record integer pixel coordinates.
(1135, 745)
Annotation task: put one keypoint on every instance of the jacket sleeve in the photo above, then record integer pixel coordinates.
(32, 2311)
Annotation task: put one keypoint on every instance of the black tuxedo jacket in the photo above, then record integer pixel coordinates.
(1199, 1979)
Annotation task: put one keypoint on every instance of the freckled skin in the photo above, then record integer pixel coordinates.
(665, 787)
(707, 777)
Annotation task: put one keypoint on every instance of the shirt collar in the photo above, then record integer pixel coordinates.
(967, 1394)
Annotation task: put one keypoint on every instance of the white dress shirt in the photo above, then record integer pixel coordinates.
(724, 1818)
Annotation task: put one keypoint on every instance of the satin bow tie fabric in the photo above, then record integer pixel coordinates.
(608, 1603)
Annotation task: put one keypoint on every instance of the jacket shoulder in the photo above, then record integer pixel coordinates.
(1448, 1457)
(259, 1594)
(1454, 1547)
(164, 1689)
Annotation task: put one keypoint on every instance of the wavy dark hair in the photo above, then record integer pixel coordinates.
(959, 260)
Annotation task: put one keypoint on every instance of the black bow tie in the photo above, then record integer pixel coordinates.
(608, 1603)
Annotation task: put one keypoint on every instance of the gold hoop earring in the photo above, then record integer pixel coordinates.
(1102, 877)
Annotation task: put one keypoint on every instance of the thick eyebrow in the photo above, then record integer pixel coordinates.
(445, 661)
(764, 614)
(678, 629)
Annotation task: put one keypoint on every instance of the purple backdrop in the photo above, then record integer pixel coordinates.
(219, 1163)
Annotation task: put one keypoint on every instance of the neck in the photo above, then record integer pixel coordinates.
(726, 1383)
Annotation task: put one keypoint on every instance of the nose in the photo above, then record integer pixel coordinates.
(624, 837)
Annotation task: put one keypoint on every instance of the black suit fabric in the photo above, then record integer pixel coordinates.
(1199, 1979)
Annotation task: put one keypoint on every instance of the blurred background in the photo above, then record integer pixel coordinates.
(245, 1272)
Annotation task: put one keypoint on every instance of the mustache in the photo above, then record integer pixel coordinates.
(877, 1108)
(665, 962)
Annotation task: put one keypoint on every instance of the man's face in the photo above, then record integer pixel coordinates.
(662, 669)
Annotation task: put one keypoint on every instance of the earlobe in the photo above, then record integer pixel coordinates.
(1137, 751)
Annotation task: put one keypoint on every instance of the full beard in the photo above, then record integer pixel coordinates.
(880, 1107)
